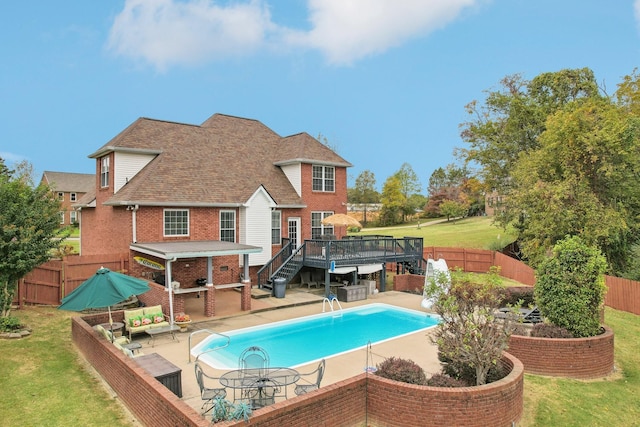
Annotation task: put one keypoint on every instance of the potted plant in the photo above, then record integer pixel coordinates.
(183, 321)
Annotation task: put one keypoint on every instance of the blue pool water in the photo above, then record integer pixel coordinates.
(296, 342)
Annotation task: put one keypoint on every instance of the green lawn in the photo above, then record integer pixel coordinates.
(474, 232)
(44, 382)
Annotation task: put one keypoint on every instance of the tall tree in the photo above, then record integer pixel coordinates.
(580, 181)
(392, 200)
(409, 185)
(364, 192)
(29, 223)
(512, 118)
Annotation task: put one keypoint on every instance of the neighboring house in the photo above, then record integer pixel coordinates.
(493, 202)
(69, 189)
(211, 201)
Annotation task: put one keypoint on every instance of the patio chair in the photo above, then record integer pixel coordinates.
(305, 279)
(207, 394)
(253, 358)
(318, 373)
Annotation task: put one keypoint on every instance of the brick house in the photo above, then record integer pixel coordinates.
(210, 201)
(69, 188)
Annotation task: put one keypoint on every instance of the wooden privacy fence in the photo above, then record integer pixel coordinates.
(50, 282)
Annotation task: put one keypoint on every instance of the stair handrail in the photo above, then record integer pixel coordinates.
(268, 267)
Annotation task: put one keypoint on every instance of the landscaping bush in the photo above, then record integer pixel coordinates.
(442, 380)
(9, 324)
(569, 289)
(518, 296)
(544, 330)
(470, 336)
(403, 370)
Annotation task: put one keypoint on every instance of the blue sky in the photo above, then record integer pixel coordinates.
(385, 81)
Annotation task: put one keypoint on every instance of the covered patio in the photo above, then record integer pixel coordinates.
(166, 254)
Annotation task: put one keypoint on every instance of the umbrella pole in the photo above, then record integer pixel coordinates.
(110, 323)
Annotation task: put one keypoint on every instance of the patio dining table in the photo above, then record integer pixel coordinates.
(259, 381)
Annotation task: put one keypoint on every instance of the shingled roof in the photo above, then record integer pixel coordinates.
(222, 162)
(69, 182)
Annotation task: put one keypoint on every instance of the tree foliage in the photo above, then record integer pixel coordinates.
(564, 159)
(470, 336)
(570, 288)
(392, 200)
(453, 209)
(29, 223)
(364, 192)
(409, 185)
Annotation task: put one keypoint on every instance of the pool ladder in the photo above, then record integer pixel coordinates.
(226, 344)
(330, 302)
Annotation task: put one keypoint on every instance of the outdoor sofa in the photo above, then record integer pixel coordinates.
(140, 319)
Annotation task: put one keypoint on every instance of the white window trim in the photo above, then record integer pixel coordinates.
(164, 222)
(324, 178)
(235, 233)
(104, 172)
(279, 213)
(323, 228)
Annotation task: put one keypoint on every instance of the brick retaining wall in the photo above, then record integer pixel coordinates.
(580, 358)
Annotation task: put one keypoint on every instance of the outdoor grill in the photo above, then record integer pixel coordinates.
(201, 281)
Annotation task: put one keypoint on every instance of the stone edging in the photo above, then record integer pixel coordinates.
(22, 333)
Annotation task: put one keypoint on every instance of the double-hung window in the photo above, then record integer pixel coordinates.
(104, 172)
(276, 227)
(324, 178)
(228, 226)
(317, 227)
(176, 222)
(73, 197)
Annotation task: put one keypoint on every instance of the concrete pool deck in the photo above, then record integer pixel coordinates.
(297, 303)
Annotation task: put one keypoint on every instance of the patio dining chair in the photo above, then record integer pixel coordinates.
(316, 375)
(253, 358)
(207, 394)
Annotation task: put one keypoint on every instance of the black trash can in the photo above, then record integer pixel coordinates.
(279, 286)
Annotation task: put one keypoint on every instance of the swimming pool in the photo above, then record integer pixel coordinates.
(299, 341)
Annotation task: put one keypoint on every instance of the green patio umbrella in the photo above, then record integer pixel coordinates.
(103, 289)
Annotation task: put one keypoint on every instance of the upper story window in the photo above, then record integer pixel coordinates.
(60, 195)
(228, 226)
(317, 227)
(176, 222)
(324, 178)
(104, 172)
(73, 197)
(276, 227)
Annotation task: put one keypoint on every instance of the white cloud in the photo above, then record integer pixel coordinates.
(169, 32)
(347, 30)
(636, 10)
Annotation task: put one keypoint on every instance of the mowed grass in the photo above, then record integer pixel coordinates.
(44, 382)
(473, 232)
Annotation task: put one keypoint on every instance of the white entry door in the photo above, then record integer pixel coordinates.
(294, 231)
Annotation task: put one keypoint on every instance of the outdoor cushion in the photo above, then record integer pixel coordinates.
(141, 319)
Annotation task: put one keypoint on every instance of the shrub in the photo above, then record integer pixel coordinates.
(9, 324)
(518, 295)
(403, 370)
(442, 380)
(545, 330)
(569, 289)
(470, 336)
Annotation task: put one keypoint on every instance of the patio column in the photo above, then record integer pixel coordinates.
(245, 302)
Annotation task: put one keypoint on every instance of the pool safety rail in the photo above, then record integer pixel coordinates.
(210, 332)
(329, 300)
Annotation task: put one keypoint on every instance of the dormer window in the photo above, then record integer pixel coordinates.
(324, 178)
